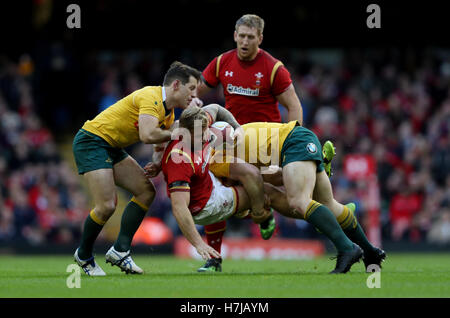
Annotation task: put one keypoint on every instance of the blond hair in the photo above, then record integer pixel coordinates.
(251, 21)
(190, 115)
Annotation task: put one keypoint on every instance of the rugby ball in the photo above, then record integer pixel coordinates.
(221, 133)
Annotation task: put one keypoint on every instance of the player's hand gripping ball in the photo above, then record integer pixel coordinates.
(221, 135)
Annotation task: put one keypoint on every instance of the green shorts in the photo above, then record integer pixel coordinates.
(92, 152)
(302, 145)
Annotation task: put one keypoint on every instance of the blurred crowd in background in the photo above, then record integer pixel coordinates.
(394, 105)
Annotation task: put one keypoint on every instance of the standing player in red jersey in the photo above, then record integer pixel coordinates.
(253, 82)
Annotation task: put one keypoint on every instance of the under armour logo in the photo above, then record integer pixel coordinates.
(229, 73)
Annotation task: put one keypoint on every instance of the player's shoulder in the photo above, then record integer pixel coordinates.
(148, 95)
(268, 57)
(153, 92)
(227, 56)
(174, 150)
(171, 146)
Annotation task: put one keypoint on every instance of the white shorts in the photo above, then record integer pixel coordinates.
(221, 205)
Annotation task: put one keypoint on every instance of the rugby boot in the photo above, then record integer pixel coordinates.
(89, 266)
(345, 260)
(123, 260)
(211, 265)
(376, 257)
(267, 227)
(328, 152)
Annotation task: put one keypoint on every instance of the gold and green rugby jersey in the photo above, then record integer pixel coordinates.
(263, 142)
(262, 147)
(118, 124)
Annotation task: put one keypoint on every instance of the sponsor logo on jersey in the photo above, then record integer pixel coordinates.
(229, 73)
(239, 90)
(311, 147)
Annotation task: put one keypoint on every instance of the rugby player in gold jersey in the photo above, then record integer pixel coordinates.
(145, 115)
(308, 193)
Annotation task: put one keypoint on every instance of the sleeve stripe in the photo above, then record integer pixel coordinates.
(218, 65)
(180, 187)
(274, 70)
(179, 190)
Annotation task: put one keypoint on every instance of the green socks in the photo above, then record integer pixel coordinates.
(92, 228)
(324, 220)
(132, 217)
(352, 229)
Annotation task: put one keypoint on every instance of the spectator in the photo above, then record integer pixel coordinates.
(371, 103)
(440, 229)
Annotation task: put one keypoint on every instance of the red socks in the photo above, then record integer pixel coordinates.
(214, 233)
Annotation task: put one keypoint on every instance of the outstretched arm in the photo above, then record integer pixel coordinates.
(219, 113)
(180, 203)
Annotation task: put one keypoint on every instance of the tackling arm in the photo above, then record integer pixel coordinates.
(149, 131)
(219, 113)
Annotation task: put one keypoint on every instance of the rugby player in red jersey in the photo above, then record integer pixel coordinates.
(197, 196)
(253, 83)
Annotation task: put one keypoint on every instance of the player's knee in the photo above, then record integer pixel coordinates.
(298, 204)
(105, 209)
(147, 194)
(250, 172)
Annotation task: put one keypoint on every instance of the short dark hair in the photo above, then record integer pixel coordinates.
(182, 72)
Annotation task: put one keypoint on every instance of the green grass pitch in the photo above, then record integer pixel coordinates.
(403, 275)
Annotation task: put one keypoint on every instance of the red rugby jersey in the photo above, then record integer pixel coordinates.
(188, 171)
(249, 87)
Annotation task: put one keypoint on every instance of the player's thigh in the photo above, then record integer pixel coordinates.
(299, 178)
(102, 188)
(129, 175)
(323, 191)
